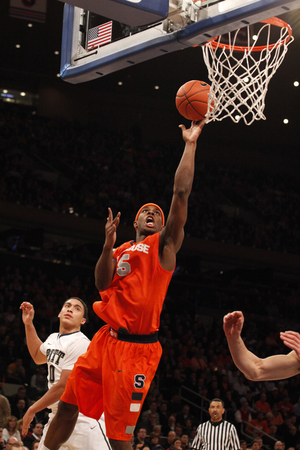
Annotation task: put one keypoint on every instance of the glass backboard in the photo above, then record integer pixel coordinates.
(189, 23)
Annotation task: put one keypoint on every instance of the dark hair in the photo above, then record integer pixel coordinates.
(85, 308)
(217, 400)
(32, 445)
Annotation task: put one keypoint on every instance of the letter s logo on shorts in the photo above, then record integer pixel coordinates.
(139, 381)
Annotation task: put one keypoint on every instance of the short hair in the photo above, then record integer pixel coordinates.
(32, 445)
(85, 308)
(217, 400)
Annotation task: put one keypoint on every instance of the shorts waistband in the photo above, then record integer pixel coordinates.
(138, 338)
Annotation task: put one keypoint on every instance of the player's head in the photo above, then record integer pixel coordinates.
(84, 305)
(150, 218)
(74, 312)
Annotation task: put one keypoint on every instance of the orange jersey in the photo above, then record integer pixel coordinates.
(136, 294)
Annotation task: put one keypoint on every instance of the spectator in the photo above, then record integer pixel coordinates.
(258, 425)
(272, 437)
(19, 409)
(243, 445)
(171, 423)
(10, 429)
(184, 415)
(152, 410)
(291, 439)
(239, 386)
(39, 380)
(297, 407)
(188, 427)
(21, 394)
(184, 442)
(13, 442)
(230, 406)
(274, 397)
(20, 425)
(170, 439)
(140, 437)
(175, 405)
(262, 405)
(36, 435)
(178, 430)
(255, 445)
(277, 418)
(2, 441)
(163, 417)
(285, 407)
(16, 446)
(5, 409)
(176, 445)
(16, 372)
(150, 423)
(243, 414)
(153, 440)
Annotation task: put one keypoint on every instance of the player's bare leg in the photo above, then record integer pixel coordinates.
(61, 426)
(119, 445)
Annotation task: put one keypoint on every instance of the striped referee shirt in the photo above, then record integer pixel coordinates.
(216, 436)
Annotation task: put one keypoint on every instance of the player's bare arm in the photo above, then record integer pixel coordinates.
(105, 267)
(257, 369)
(172, 235)
(32, 339)
(52, 396)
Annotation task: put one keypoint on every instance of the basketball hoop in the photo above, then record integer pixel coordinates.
(240, 71)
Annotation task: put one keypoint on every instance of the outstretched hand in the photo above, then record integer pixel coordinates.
(27, 313)
(111, 228)
(292, 340)
(233, 324)
(191, 134)
(27, 419)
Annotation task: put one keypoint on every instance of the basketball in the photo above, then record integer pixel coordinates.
(192, 99)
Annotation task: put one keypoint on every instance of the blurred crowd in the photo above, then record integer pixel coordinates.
(195, 367)
(76, 169)
(67, 167)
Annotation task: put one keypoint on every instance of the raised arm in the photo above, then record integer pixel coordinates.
(172, 235)
(105, 267)
(32, 339)
(275, 367)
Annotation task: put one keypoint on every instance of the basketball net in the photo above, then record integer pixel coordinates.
(240, 74)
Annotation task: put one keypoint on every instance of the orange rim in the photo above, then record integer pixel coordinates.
(273, 21)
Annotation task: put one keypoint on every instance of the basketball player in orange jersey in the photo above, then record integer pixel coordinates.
(115, 373)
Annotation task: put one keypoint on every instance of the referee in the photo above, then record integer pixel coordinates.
(216, 434)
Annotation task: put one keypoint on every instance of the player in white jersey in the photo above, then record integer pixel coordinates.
(60, 351)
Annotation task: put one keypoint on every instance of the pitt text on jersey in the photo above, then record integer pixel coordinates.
(53, 356)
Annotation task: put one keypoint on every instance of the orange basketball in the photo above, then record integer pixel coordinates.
(192, 99)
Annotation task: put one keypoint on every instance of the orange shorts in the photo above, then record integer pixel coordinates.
(113, 376)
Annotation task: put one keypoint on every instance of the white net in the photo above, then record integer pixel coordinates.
(240, 69)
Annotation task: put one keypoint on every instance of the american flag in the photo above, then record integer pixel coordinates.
(99, 35)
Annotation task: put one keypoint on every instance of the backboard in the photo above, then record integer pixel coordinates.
(189, 23)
